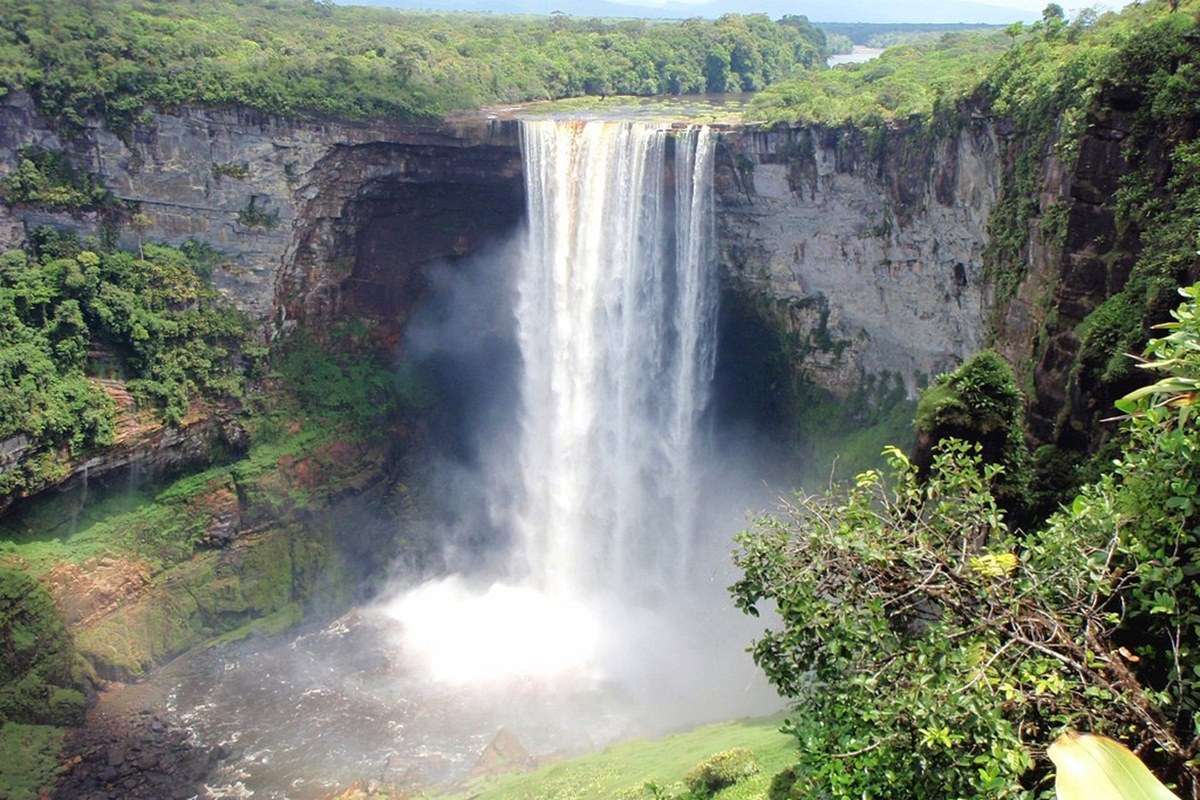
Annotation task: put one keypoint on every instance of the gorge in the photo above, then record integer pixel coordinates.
(358, 453)
(870, 269)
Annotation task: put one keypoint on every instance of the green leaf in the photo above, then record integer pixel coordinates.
(1097, 768)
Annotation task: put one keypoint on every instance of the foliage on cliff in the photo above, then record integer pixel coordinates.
(46, 178)
(74, 313)
(116, 58)
(1159, 200)
(1134, 77)
(1052, 86)
(347, 378)
(980, 403)
(932, 650)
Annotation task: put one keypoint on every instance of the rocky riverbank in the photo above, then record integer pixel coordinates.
(119, 756)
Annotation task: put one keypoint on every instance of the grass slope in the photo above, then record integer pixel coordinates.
(28, 759)
(623, 769)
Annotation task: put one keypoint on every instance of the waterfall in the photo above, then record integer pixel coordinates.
(615, 308)
(616, 323)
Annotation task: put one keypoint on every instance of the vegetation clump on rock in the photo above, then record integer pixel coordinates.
(46, 178)
(979, 402)
(88, 327)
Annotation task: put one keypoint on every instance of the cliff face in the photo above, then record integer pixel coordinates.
(1077, 256)
(867, 253)
(282, 199)
(863, 250)
(869, 250)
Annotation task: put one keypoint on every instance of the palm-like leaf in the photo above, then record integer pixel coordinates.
(1097, 768)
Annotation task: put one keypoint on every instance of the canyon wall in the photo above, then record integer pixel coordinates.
(867, 252)
(863, 250)
(292, 206)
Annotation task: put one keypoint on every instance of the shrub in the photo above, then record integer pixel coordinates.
(720, 770)
(232, 169)
(932, 651)
(255, 216)
(979, 402)
(46, 178)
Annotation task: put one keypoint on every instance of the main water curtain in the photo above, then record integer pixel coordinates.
(616, 318)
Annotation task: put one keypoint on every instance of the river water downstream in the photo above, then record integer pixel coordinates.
(302, 715)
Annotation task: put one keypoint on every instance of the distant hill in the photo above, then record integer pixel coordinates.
(929, 11)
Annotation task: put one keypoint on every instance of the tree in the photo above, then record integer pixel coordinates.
(1054, 19)
(140, 222)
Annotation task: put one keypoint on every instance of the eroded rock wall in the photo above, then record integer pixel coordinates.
(1076, 256)
(866, 250)
(270, 193)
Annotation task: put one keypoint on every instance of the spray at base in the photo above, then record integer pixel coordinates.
(468, 635)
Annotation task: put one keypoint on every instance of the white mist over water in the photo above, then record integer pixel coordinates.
(616, 314)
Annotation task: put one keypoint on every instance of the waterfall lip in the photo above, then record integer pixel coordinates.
(719, 110)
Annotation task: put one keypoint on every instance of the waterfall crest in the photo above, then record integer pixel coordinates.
(616, 321)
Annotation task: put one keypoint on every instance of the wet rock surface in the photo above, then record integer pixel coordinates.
(134, 757)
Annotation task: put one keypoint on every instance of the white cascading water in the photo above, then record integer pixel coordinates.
(616, 303)
(616, 321)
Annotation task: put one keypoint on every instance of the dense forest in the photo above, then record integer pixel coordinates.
(882, 34)
(117, 58)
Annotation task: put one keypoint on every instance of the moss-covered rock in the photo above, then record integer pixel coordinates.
(41, 677)
(262, 584)
(979, 402)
